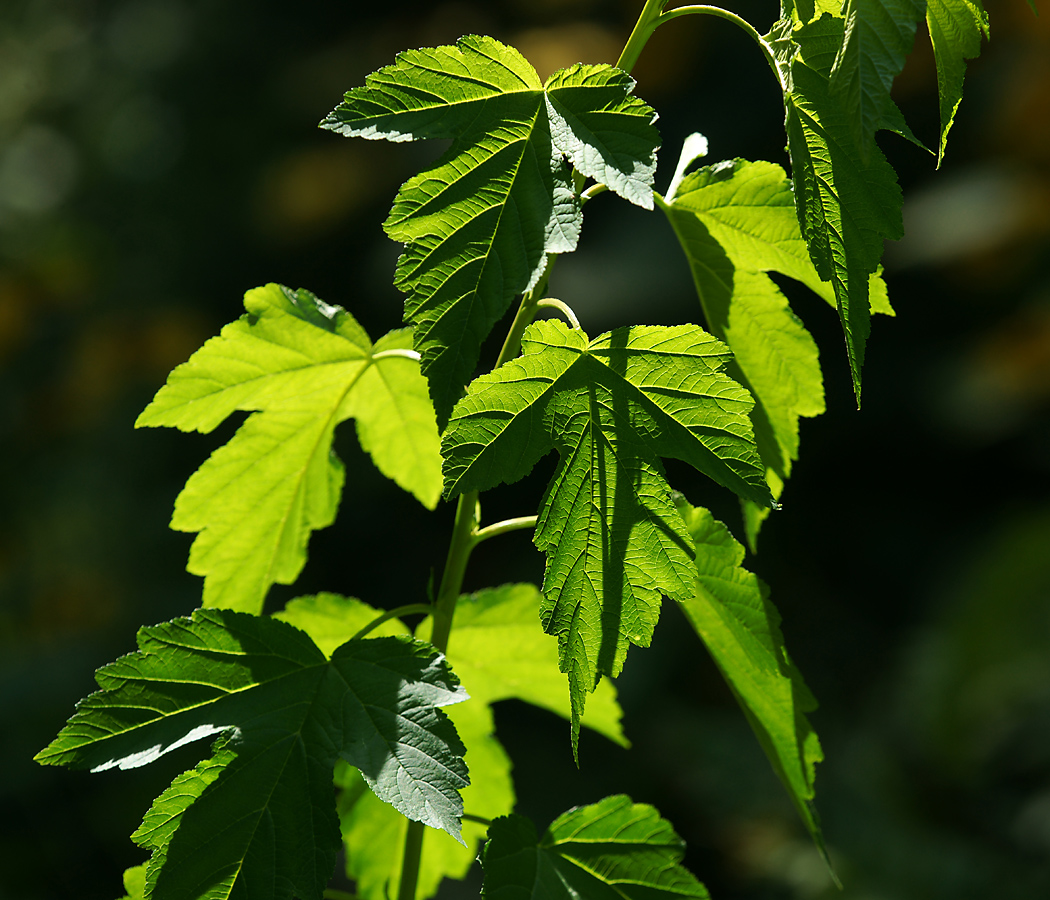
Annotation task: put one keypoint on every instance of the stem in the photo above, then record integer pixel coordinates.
(749, 29)
(397, 351)
(648, 20)
(405, 610)
(498, 528)
(593, 191)
(563, 308)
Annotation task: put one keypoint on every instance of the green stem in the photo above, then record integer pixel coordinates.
(593, 191)
(562, 307)
(405, 610)
(748, 28)
(648, 20)
(498, 528)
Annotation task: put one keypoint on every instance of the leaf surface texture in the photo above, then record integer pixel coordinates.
(305, 367)
(479, 224)
(257, 818)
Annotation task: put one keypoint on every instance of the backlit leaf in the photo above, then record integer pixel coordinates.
(731, 612)
(306, 367)
(612, 408)
(257, 818)
(478, 225)
(610, 849)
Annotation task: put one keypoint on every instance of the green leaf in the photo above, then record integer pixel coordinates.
(878, 38)
(135, 883)
(735, 222)
(611, 407)
(499, 652)
(478, 225)
(848, 201)
(610, 849)
(731, 612)
(956, 28)
(260, 811)
(307, 367)
(331, 619)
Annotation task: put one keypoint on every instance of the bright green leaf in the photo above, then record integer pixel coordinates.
(736, 221)
(331, 619)
(260, 810)
(731, 612)
(479, 224)
(956, 28)
(611, 407)
(135, 883)
(610, 849)
(307, 367)
(848, 201)
(878, 38)
(499, 652)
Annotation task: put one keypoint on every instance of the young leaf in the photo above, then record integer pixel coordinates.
(613, 848)
(736, 221)
(878, 37)
(260, 810)
(956, 28)
(306, 366)
(611, 407)
(499, 652)
(479, 224)
(848, 201)
(731, 612)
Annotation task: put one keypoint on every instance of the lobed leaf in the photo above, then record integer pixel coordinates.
(258, 815)
(305, 366)
(731, 612)
(611, 407)
(479, 224)
(956, 28)
(613, 848)
(499, 652)
(847, 198)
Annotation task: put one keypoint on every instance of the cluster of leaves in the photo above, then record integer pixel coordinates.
(333, 689)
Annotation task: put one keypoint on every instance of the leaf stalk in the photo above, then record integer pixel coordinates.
(406, 610)
(507, 525)
(563, 308)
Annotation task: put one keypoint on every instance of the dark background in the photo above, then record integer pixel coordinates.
(160, 157)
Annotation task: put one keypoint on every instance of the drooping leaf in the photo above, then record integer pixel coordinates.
(258, 815)
(731, 612)
(499, 652)
(479, 224)
(306, 366)
(611, 408)
(735, 222)
(848, 202)
(878, 38)
(610, 849)
(956, 28)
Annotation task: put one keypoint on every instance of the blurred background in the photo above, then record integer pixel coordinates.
(160, 157)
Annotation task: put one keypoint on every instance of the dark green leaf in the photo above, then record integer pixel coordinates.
(731, 612)
(259, 815)
(479, 224)
(307, 366)
(611, 849)
(611, 407)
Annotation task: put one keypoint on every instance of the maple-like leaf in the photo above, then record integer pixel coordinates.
(305, 366)
(612, 408)
(258, 818)
(479, 224)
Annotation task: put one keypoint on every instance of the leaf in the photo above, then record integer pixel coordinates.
(736, 221)
(611, 407)
(479, 224)
(135, 883)
(331, 620)
(613, 848)
(731, 612)
(956, 28)
(306, 366)
(258, 816)
(848, 202)
(499, 652)
(879, 35)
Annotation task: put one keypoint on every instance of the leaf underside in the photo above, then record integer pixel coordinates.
(612, 408)
(305, 367)
(258, 818)
(479, 224)
(613, 848)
